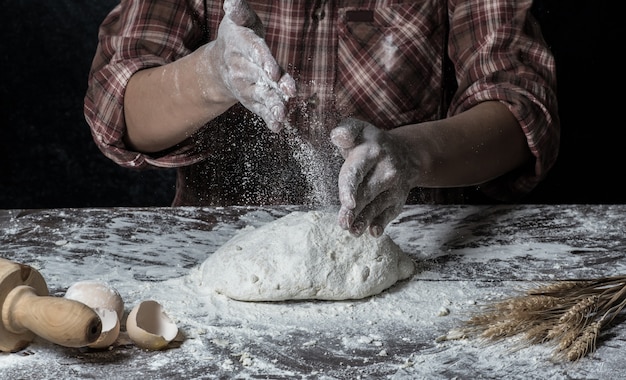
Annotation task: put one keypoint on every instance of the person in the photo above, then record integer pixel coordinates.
(402, 101)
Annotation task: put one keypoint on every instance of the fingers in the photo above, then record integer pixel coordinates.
(345, 218)
(362, 152)
(242, 45)
(378, 214)
(378, 224)
(372, 197)
(240, 12)
(372, 184)
(288, 86)
(364, 219)
(249, 69)
(266, 99)
(355, 168)
(351, 175)
(346, 134)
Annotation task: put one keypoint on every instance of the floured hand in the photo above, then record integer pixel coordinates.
(247, 69)
(374, 181)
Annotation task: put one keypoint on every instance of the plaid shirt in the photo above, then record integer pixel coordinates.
(388, 62)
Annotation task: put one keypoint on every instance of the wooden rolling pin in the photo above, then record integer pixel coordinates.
(28, 311)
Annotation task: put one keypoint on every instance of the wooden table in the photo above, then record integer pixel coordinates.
(466, 255)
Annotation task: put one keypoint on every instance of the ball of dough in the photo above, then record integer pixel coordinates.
(304, 255)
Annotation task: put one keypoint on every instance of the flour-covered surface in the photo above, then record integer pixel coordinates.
(466, 256)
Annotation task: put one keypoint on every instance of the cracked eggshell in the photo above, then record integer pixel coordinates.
(110, 328)
(97, 295)
(149, 327)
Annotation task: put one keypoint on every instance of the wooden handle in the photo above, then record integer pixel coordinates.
(62, 321)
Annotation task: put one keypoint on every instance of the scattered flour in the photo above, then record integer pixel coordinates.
(393, 335)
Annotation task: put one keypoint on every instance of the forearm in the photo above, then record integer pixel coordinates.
(166, 104)
(467, 149)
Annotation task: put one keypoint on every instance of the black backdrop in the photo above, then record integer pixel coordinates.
(48, 159)
(47, 156)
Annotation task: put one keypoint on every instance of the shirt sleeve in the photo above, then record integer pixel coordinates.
(137, 34)
(499, 54)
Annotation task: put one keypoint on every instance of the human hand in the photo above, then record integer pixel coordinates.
(374, 179)
(249, 73)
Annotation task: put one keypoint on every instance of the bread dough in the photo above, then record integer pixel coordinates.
(304, 255)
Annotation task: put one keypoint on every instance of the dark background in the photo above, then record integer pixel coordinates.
(48, 158)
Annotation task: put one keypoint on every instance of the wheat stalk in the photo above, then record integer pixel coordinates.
(568, 314)
(584, 343)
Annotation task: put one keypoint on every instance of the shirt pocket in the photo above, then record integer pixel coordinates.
(390, 62)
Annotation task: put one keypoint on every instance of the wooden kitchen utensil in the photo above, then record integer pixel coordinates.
(27, 310)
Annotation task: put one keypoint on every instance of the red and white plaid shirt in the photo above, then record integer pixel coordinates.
(383, 61)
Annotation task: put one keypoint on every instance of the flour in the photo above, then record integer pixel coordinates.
(304, 255)
(319, 168)
(467, 256)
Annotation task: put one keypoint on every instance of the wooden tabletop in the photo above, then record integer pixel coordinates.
(466, 256)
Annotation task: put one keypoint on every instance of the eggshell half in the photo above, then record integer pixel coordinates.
(110, 328)
(149, 327)
(96, 295)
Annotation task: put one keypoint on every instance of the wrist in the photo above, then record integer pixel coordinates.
(416, 167)
(210, 83)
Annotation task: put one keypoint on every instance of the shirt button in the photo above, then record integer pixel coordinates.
(319, 13)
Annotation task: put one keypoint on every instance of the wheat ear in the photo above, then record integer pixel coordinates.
(570, 314)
